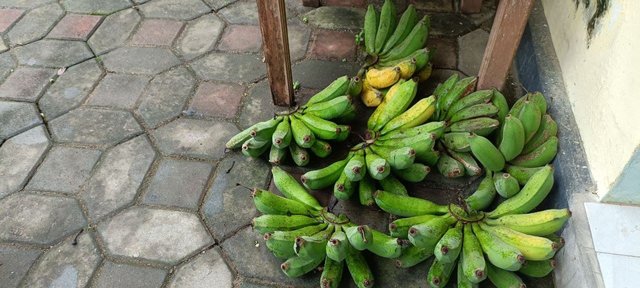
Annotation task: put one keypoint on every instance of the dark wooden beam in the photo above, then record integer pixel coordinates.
(275, 39)
(470, 6)
(506, 32)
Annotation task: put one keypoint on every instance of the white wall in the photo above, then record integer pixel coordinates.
(602, 79)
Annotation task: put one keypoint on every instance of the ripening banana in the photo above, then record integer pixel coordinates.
(396, 102)
(371, 97)
(534, 248)
(407, 68)
(538, 269)
(529, 197)
(538, 224)
(383, 77)
(499, 253)
(414, 116)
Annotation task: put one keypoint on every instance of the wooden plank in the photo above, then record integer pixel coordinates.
(506, 32)
(309, 3)
(470, 6)
(273, 25)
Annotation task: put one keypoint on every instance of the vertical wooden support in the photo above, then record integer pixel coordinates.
(470, 6)
(273, 24)
(506, 32)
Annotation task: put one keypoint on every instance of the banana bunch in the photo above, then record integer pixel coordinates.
(397, 50)
(398, 146)
(304, 234)
(497, 245)
(310, 127)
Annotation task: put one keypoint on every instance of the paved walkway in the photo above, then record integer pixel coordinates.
(113, 116)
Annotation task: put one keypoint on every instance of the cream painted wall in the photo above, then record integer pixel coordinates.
(602, 81)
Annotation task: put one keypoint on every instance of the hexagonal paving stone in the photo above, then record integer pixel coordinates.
(199, 36)
(38, 219)
(194, 138)
(319, 74)
(241, 38)
(114, 30)
(256, 261)
(95, 6)
(217, 4)
(70, 89)
(75, 26)
(53, 53)
(94, 126)
(336, 18)
(26, 83)
(207, 268)
(140, 60)
(65, 265)
(226, 206)
(112, 275)
(229, 67)
(64, 169)
(449, 25)
(298, 40)
(241, 12)
(178, 183)
(156, 32)
(182, 10)
(6, 65)
(166, 96)
(217, 100)
(445, 55)
(118, 90)
(3, 46)
(23, 3)
(16, 117)
(16, 262)
(472, 47)
(152, 234)
(35, 24)
(335, 45)
(115, 182)
(258, 106)
(18, 157)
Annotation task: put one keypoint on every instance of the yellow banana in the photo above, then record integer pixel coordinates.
(371, 97)
(407, 68)
(382, 78)
(416, 115)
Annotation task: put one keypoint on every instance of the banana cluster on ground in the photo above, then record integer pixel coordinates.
(396, 48)
(308, 128)
(499, 245)
(398, 146)
(298, 230)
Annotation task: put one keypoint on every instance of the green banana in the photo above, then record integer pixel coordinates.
(385, 246)
(323, 129)
(270, 223)
(312, 246)
(488, 155)
(406, 23)
(436, 128)
(280, 243)
(331, 273)
(269, 203)
(529, 197)
(428, 157)
(420, 56)
(386, 25)
(254, 148)
(262, 131)
(331, 109)
(291, 189)
(426, 235)
(237, 140)
(400, 227)
(450, 167)
(473, 265)
(377, 166)
(277, 155)
(548, 128)
(471, 167)
(416, 39)
(337, 246)
(321, 148)
(366, 189)
(416, 172)
(439, 273)
(517, 107)
(482, 126)
(441, 92)
(297, 266)
(522, 174)
(478, 110)
(483, 196)
(360, 237)
(530, 117)
(534, 248)
(503, 278)
(506, 185)
(559, 241)
(399, 103)
(325, 177)
(302, 135)
(501, 102)
(370, 29)
(463, 282)
(457, 141)
(449, 246)
(540, 156)
(337, 88)
(413, 256)
(359, 269)
(343, 188)
(393, 185)
(538, 269)
(459, 90)
(356, 167)
(499, 253)
(299, 155)
(406, 206)
(475, 98)
(538, 223)
(512, 138)
(540, 101)
(346, 117)
(355, 87)
(281, 137)
(402, 158)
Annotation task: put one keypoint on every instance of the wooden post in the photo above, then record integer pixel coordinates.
(470, 6)
(506, 32)
(275, 39)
